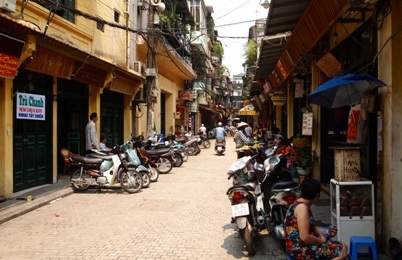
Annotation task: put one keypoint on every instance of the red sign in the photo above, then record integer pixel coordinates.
(10, 52)
(8, 65)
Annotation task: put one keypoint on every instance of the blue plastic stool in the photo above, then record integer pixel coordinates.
(362, 241)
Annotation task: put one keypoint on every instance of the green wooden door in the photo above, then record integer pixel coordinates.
(112, 118)
(32, 147)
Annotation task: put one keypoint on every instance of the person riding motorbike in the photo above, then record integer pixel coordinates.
(203, 130)
(220, 132)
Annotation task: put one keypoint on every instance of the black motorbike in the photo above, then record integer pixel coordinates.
(247, 198)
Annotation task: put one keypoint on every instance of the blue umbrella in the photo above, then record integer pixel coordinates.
(344, 91)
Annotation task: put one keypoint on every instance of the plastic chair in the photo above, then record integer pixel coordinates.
(362, 241)
(66, 154)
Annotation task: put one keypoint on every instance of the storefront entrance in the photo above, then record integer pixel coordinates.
(112, 117)
(32, 138)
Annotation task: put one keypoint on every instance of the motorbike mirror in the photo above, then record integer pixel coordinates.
(270, 152)
(273, 161)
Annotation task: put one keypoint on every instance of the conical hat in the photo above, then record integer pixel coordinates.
(242, 124)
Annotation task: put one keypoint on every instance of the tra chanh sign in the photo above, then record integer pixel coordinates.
(30, 106)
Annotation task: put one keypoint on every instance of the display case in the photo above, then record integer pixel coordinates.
(352, 208)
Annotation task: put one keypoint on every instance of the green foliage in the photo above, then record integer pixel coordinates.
(169, 17)
(218, 49)
(250, 53)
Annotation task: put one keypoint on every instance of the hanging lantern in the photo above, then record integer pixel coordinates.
(278, 98)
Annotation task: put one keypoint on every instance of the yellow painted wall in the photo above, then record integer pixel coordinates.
(109, 45)
(389, 71)
(170, 89)
(6, 138)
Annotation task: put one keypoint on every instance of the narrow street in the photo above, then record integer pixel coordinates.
(185, 215)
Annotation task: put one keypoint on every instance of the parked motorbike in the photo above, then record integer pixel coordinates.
(190, 144)
(169, 151)
(131, 156)
(247, 199)
(161, 161)
(281, 190)
(105, 171)
(171, 139)
(220, 146)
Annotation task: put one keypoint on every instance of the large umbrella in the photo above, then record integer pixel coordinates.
(344, 91)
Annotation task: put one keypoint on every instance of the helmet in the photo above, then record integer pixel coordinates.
(219, 124)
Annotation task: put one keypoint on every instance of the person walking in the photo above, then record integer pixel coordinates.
(91, 137)
(241, 138)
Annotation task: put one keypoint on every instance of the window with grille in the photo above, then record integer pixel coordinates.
(64, 9)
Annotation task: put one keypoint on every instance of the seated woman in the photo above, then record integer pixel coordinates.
(304, 239)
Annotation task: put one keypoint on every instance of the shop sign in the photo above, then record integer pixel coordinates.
(299, 91)
(10, 51)
(30, 106)
(194, 107)
(307, 124)
(8, 66)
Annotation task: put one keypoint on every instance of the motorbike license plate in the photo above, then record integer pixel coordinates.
(219, 148)
(240, 210)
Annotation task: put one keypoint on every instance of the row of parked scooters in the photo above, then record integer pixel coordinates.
(132, 165)
(261, 193)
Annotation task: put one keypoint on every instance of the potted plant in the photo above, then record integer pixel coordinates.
(305, 160)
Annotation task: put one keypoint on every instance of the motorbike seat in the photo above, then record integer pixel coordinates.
(285, 185)
(161, 151)
(189, 142)
(86, 160)
(247, 186)
(102, 156)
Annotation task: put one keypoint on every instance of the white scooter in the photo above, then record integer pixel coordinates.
(104, 171)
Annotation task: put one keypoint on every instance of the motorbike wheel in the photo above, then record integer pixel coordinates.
(153, 174)
(192, 150)
(178, 159)
(184, 154)
(206, 143)
(145, 179)
(249, 239)
(163, 165)
(197, 150)
(78, 182)
(131, 181)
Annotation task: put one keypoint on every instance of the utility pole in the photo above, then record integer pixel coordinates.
(150, 83)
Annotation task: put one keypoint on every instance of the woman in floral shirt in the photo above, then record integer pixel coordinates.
(305, 240)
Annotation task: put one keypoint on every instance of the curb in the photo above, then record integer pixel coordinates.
(22, 208)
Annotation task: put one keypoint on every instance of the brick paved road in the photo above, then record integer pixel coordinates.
(185, 215)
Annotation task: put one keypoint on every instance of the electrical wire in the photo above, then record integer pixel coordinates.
(232, 10)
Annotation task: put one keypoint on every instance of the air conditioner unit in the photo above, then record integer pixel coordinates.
(8, 5)
(139, 67)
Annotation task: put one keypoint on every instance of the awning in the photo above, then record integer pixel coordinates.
(211, 110)
(247, 111)
(308, 21)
